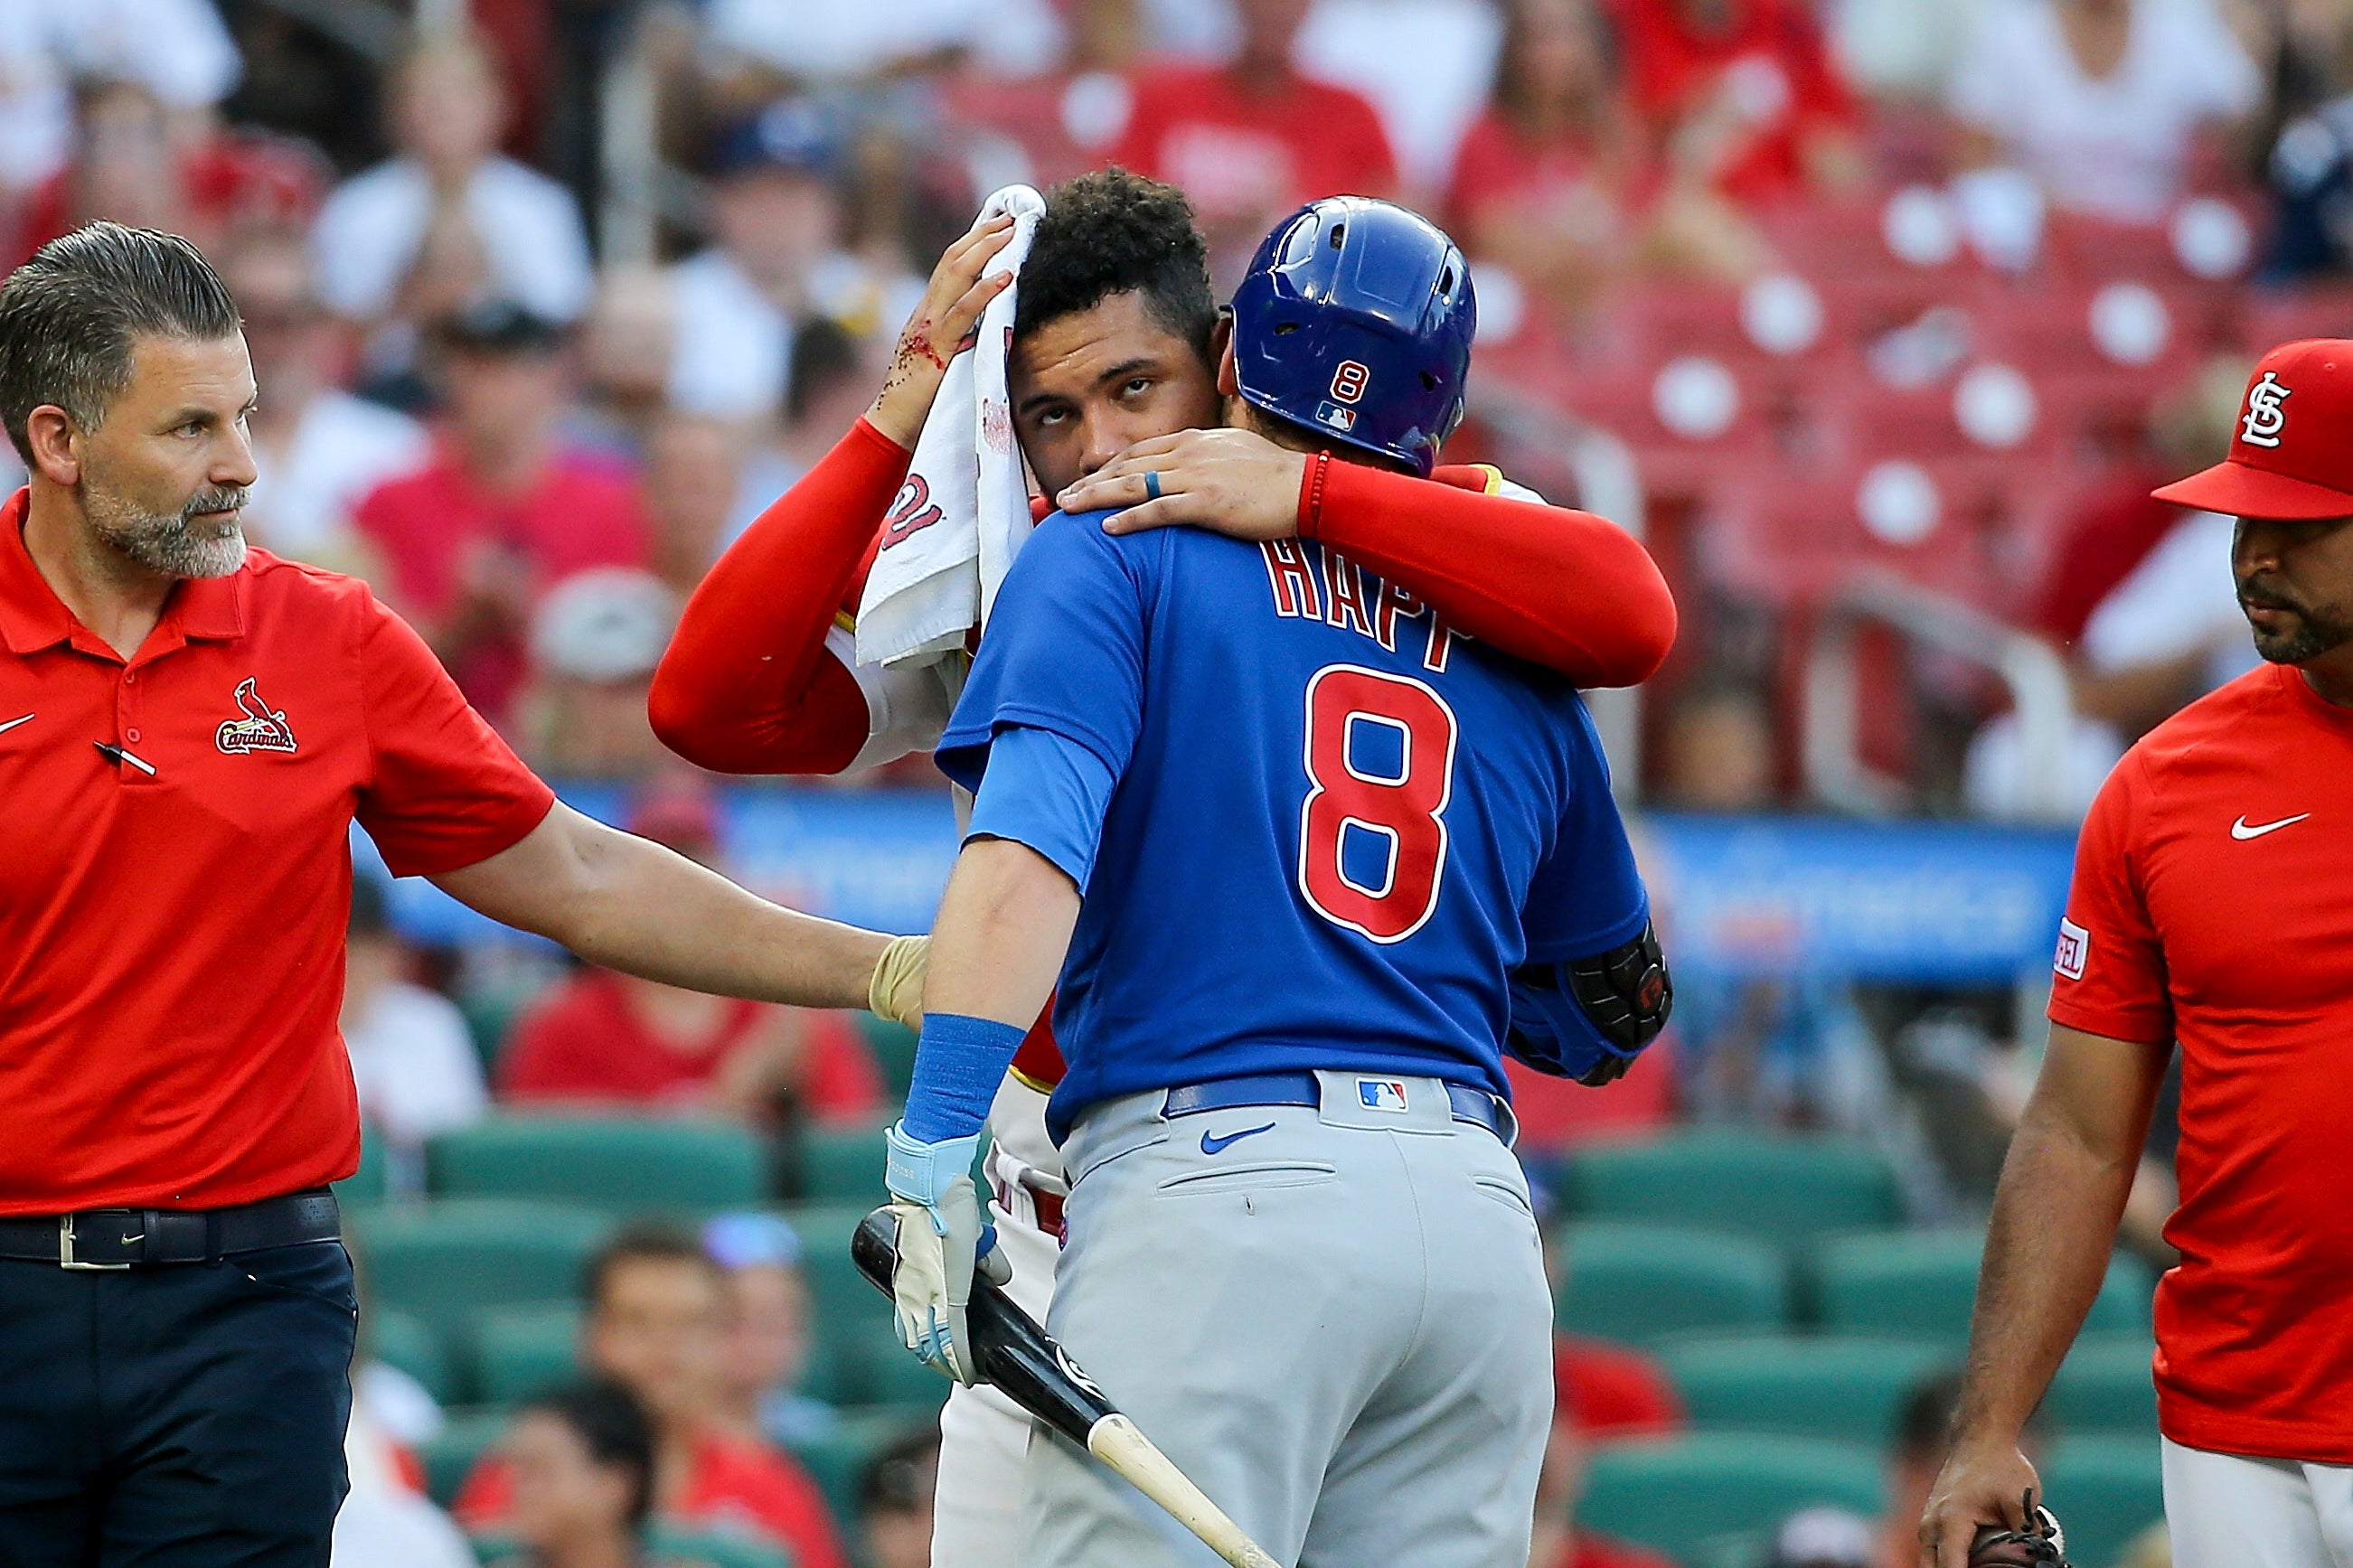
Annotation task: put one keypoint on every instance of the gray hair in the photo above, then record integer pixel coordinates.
(70, 317)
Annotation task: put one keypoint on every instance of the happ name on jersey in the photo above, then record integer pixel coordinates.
(1313, 583)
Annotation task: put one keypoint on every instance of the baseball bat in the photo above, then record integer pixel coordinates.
(1009, 1350)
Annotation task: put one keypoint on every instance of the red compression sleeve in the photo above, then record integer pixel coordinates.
(1565, 589)
(746, 685)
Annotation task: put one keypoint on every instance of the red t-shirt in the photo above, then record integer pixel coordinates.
(2214, 906)
(579, 513)
(1772, 62)
(1241, 156)
(731, 1484)
(1495, 165)
(1587, 1549)
(584, 1042)
(1612, 1390)
(171, 942)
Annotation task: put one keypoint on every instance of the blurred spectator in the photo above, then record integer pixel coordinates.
(412, 1054)
(447, 222)
(319, 450)
(830, 385)
(1544, 181)
(137, 162)
(506, 509)
(1064, 120)
(176, 50)
(1821, 1537)
(656, 1306)
(611, 1038)
(1425, 66)
(627, 347)
(594, 641)
(2142, 598)
(770, 1332)
(1557, 1541)
(2100, 99)
(1900, 51)
(696, 472)
(895, 1501)
(386, 1520)
(2310, 172)
(775, 260)
(1252, 140)
(793, 41)
(1741, 95)
(1784, 1049)
(583, 1465)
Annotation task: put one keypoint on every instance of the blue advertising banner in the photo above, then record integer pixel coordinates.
(1896, 901)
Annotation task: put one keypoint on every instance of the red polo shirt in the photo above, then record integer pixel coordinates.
(1239, 156)
(172, 945)
(2212, 910)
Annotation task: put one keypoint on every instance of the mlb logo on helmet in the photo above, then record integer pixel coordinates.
(1381, 1094)
(2292, 456)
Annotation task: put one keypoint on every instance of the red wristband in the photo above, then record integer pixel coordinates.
(1311, 494)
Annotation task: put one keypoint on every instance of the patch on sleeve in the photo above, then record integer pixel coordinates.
(2074, 946)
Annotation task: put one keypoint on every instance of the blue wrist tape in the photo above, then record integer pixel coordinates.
(958, 1064)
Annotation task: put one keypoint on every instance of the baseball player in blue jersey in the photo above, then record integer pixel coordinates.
(1335, 858)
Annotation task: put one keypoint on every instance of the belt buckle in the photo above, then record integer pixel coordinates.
(66, 1258)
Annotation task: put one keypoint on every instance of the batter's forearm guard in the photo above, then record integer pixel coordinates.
(1614, 1002)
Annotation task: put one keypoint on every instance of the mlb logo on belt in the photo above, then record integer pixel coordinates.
(1381, 1094)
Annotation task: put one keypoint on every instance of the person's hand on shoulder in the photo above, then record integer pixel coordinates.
(942, 327)
(1234, 482)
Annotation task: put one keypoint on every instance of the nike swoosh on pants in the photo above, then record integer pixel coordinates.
(1211, 1144)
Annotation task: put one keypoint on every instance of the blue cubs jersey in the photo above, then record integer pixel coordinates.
(1336, 826)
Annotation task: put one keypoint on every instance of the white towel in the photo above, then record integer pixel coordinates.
(937, 579)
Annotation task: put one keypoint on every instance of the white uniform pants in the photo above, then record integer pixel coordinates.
(2234, 1510)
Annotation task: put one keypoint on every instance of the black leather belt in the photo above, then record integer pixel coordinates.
(130, 1238)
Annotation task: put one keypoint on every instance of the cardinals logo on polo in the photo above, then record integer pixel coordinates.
(263, 728)
(2265, 418)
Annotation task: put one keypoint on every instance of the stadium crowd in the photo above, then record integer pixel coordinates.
(1927, 289)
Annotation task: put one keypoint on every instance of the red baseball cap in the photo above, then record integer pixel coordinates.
(2292, 456)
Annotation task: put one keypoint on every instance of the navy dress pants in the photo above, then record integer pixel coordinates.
(178, 1415)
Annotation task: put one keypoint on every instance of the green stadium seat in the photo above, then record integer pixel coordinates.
(842, 1164)
(1675, 1495)
(893, 1046)
(1764, 1187)
(677, 1548)
(445, 1262)
(522, 1351)
(839, 1459)
(619, 1164)
(399, 1338)
(2107, 1490)
(370, 1183)
(450, 1458)
(1920, 1285)
(1639, 1283)
(1847, 1389)
(2104, 1385)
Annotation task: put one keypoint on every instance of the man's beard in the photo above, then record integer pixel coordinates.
(2312, 635)
(169, 543)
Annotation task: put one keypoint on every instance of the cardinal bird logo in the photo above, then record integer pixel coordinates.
(263, 728)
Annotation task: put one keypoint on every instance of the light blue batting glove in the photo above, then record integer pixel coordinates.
(944, 1238)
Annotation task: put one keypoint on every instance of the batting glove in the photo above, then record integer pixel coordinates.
(944, 1238)
(896, 990)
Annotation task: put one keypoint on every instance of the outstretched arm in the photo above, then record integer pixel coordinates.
(746, 685)
(628, 904)
(1564, 589)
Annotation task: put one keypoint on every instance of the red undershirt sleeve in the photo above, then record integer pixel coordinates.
(1564, 589)
(746, 685)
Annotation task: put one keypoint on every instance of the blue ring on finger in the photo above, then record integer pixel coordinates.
(1152, 484)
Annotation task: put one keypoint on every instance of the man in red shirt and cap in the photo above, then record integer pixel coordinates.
(2212, 909)
(187, 730)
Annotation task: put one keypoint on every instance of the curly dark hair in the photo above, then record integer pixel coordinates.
(1110, 232)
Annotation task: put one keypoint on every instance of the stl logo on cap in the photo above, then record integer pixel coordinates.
(2265, 418)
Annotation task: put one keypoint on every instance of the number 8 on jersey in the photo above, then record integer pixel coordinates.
(1405, 805)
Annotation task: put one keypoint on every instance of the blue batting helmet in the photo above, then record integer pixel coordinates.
(1355, 320)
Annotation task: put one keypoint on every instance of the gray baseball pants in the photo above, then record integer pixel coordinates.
(1338, 1326)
